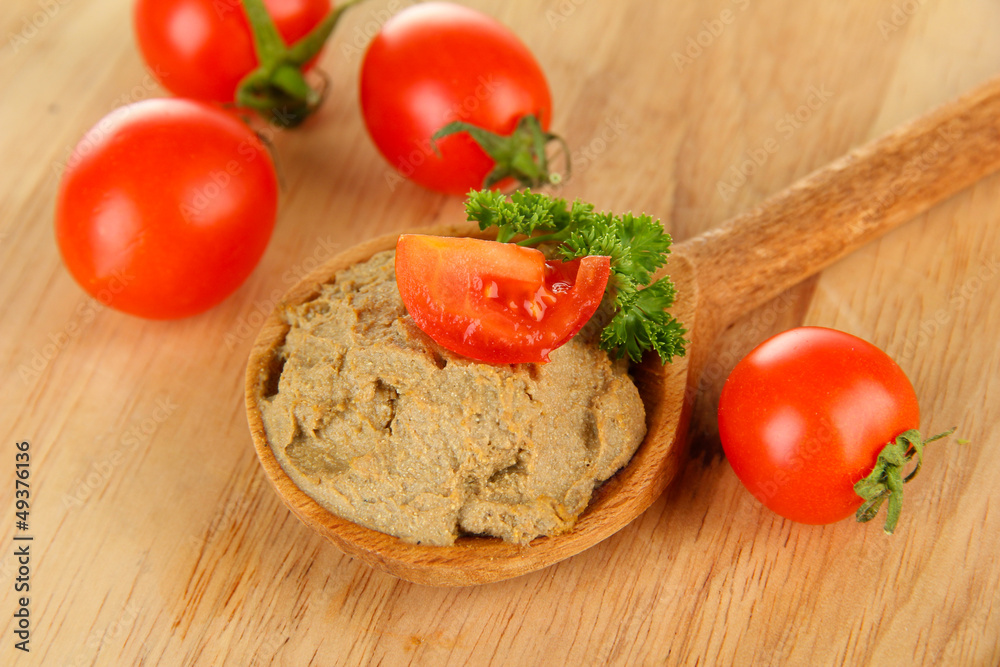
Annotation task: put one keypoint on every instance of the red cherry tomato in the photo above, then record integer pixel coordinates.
(434, 63)
(496, 302)
(202, 48)
(165, 207)
(804, 416)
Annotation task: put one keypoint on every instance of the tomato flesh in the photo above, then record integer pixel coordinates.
(201, 49)
(496, 302)
(437, 62)
(165, 207)
(805, 415)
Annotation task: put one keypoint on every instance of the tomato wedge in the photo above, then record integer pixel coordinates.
(496, 302)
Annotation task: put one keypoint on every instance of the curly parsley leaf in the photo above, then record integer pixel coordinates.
(637, 246)
(525, 213)
(642, 323)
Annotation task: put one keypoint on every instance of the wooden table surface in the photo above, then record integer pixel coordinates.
(157, 539)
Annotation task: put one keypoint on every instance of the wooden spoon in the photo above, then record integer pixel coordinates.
(719, 275)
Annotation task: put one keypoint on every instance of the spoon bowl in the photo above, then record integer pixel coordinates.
(476, 560)
(719, 276)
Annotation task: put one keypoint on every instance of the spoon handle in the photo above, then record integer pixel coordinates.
(754, 257)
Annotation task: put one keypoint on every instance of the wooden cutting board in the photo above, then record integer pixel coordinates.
(156, 538)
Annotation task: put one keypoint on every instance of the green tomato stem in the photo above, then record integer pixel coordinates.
(309, 46)
(885, 482)
(277, 89)
(520, 155)
(267, 40)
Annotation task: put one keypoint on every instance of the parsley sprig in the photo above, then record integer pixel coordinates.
(637, 245)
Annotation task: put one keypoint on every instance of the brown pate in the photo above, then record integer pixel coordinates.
(385, 428)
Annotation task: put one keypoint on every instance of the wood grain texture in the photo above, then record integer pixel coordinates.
(159, 540)
(719, 275)
(745, 262)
